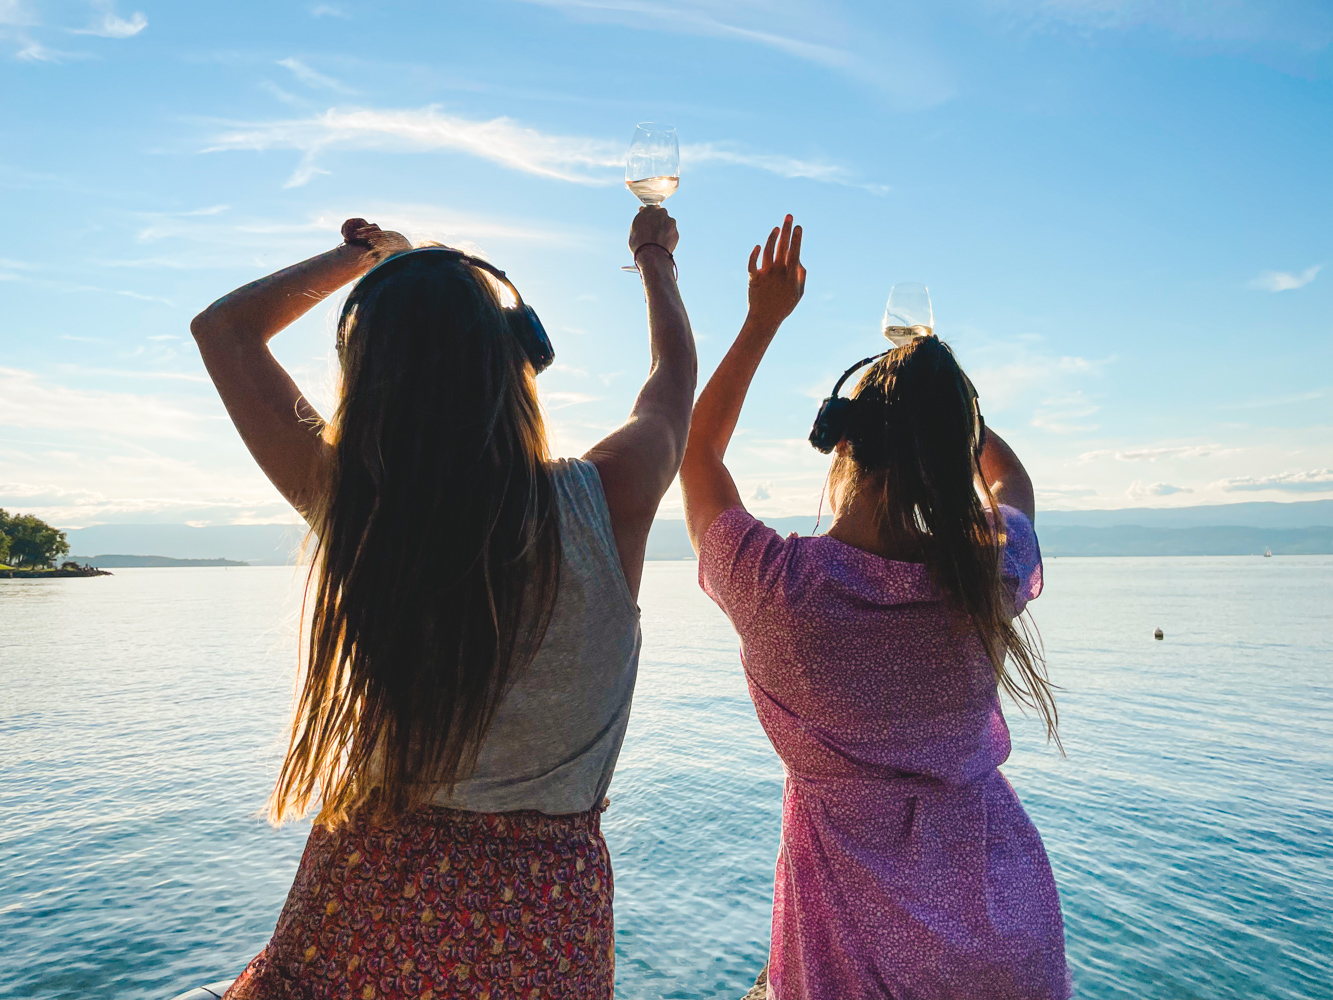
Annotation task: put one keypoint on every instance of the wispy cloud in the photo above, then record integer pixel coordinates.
(31, 50)
(559, 400)
(1286, 400)
(1026, 372)
(782, 166)
(20, 25)
(1312, 481)
(337, 10)
(500, 140)
(574, 159)
(31, 495)
(1156, 454)
(69, 286)
(75, 508)
(16, 12)
(1285, 281)
(144, 374)
(1305, 23)
(200, 240)
(313, 78)
(817, 33)
(1050, 494)
(1142, 491)
(31, 402)
(706, 18)
(1065, 414)
(108, 24)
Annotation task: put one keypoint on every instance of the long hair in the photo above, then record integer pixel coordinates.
(913, 435)
(437, 552)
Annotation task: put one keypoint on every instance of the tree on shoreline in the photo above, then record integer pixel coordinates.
(28, 542)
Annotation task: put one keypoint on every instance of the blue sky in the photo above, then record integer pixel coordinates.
(1123, 209)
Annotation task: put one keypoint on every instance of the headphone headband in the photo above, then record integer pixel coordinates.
(831, 421)
(522, 317)
(835, 412)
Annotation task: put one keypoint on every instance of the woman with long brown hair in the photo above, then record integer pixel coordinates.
(474, 635)
(874, 655)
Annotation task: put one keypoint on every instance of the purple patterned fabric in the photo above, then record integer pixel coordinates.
(908, 868)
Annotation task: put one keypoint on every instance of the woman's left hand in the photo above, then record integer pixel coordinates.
(777, 284)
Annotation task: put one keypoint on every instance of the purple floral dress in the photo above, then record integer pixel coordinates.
(908, 868)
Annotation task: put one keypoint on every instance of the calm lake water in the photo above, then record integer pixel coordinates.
(1190, 827)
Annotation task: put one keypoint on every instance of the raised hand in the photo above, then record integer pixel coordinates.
(653, 225)
(778, 282)
(378, 243)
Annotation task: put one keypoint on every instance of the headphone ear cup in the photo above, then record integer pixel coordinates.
(830, 424)
(532, 335)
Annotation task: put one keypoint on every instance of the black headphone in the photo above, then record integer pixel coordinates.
(523, 321)
(831, 421)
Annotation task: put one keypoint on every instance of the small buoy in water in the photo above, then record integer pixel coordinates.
(1158, 634)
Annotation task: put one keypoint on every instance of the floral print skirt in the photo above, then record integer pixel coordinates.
(443, 904)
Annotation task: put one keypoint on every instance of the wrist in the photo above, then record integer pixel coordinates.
(760, 324)
(654, 255)
(355, 254)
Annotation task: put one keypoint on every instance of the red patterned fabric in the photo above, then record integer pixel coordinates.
(445, 904)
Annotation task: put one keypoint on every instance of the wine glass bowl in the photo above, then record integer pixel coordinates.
(652, 166)
(908, 313)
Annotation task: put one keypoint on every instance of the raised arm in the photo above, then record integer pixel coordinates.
(277, 423)
(776, 286)
(1005, 475)
(638, 461)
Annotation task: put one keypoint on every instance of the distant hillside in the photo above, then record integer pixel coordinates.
(137, 562)
(1263, 514)
(1134, 540)
(1236, 529)
(256, 544)
(1228, 530)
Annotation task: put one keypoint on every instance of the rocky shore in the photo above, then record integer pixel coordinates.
(65, 570)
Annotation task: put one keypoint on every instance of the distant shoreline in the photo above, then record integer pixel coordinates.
(65, 571)
(129, 561)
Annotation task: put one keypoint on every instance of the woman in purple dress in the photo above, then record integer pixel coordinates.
(875, 654)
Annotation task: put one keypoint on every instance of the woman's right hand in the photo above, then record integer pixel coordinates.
(653, 226)
(376, 242)
(778, 283)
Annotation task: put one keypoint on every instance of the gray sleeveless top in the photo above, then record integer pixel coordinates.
(556, 737)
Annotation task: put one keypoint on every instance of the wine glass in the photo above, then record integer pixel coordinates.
(652, 166)
(908, 313)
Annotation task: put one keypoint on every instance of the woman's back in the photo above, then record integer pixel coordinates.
(556, 736)
(873, 676)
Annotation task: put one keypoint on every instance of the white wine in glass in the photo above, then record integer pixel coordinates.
(652, 166)
(908, 313)
(653, 190)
